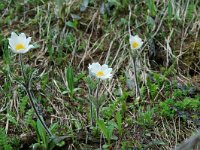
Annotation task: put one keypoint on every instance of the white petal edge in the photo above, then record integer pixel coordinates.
(28, 48)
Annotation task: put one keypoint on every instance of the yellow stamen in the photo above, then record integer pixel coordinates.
(19, 46)
(100, 73)
(135, 44)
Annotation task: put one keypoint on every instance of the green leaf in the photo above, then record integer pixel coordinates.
(92, 84)
(28, 119)
(4, 140)
(56, 140)
(54, 126)
(70, 80)
(23, 103)
(190, 11)
(11, 118)
(106, 146)
(110, 131)
(42, 132)
(150, 21)
(151, 7)
(39, 146)
(72, 24)
(6, 53)
(103, 128)
(170, 10)
(114, 2)
(119, 122)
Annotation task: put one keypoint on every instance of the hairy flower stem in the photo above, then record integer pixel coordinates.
(135, 78)
(97, 101)
(28, 91)
(91, 113)
(91, 107)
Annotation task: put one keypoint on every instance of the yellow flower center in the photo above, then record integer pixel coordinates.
(100, 74)
(135, 44)
(19, 46)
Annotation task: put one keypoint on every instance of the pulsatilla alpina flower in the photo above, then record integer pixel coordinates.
(19, 43)
(100, 71)
(135, 41)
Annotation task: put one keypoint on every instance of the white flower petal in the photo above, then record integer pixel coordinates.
(22, 39)
(13, 50)
(108, 70)
(131, 38)
(11, 43)
(22, 36)
(19, 44)
(13, 40)
(94, 67)
(136, 39)
(104, 66)
(28, 48)
(108, 76)
(28, 40)
(13, 35)
(100, 72)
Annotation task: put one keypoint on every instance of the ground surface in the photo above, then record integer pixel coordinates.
(77, 33)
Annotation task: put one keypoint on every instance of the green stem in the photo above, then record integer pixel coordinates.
(97, 101)
(135, 78)
(27, 88)
(91, 108)
(22, 68)
(91, 113)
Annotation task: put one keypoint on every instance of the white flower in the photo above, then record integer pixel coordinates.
(100, 72)
(19, 44)
(135, 42)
